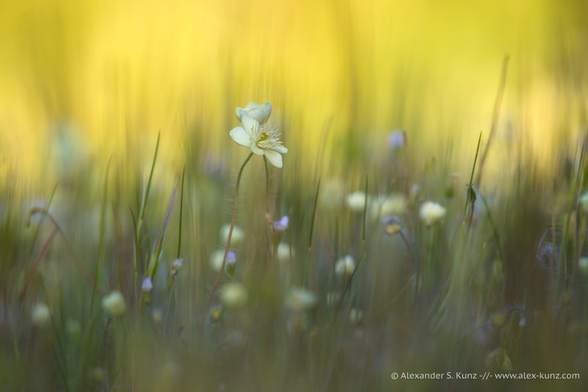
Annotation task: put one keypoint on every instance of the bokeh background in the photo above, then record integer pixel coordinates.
(90, 80)
(89, 85)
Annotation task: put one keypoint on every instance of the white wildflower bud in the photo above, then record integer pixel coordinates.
(395, 204)
(431, 213)
(114, 303)
(356, 201)
(283, 254)
(355, 316)
(300, 299)
(523, 322)
(147, 285)
(259, 113)
(41, 314)
(177, 264)
(236, 238)
(157, 315)
(233, 295)
(345, 266)
(216, 259)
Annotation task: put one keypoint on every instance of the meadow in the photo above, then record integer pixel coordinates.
(321, 196)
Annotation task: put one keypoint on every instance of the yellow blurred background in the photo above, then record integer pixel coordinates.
(110, 74)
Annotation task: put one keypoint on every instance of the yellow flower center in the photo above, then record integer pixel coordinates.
(263, 137)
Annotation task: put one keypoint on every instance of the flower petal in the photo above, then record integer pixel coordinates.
(250, 125)
(240, 136)
(279, 148)
(256, 150)
(273, 157)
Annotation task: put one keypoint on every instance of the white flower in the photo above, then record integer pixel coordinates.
(233, 295)
(283, 254)
(583, 265)
(236, 238)
(259, 113)
(300, 299)
(282, 224)
(216, 259)
(356, 201)
(177, 264)
(114, 303)
(261, 140)
(345, 265)
(523, 323)
(157, 315)
(431, 212)
(395, 204)
(40, 314)
(355, 316)
(231, 258)
(584, 202)
(147, 285)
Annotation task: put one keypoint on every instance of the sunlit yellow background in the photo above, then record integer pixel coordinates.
(114, 73)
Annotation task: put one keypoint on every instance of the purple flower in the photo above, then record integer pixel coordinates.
(397, 139)
(282, 224)
(231, 258)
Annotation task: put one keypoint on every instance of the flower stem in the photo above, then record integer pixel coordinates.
(222, 269)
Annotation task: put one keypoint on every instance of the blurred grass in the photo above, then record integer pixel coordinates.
(86, 83)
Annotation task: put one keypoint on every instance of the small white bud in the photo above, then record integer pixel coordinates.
(41, 314)
(431, 213)
(345, 265)
(300, 299)
(147, 285)
(114, 303)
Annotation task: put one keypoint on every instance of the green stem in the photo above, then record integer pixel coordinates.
(227, 247)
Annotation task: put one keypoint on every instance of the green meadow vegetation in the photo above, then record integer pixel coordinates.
(355, 197)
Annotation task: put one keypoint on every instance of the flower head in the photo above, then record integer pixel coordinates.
(40, 314)
(299, 299)
(261, 139)
(233, 295)
(356, 201)
(114, 303)
(397, 139)
(431, 212)
(147, 285)
(231, 258)
(395, 204)
(391, 225)
(236, 238)
(345, 265)
(282, 224)
(177, 264)
(259, 113)
(283, 253)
